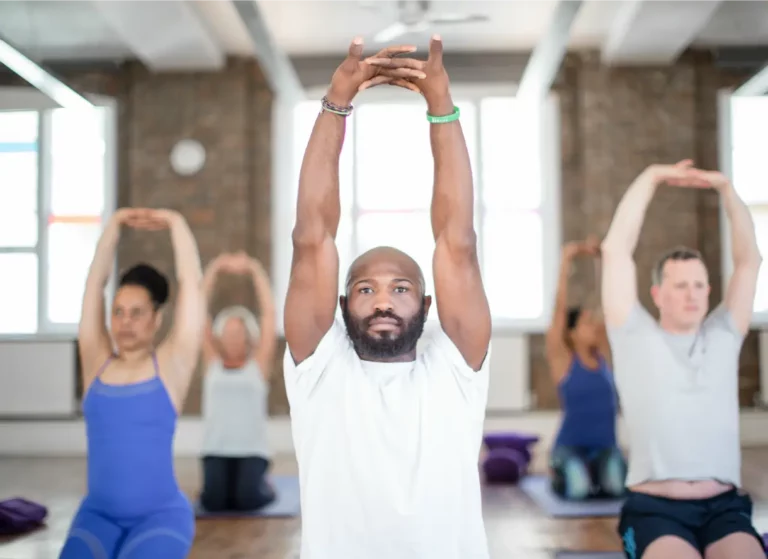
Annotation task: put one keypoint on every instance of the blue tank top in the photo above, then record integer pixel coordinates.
(130, 432)
(588, 399)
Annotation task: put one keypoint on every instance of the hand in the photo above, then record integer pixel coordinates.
(145, 218)
(681, 174)
(435, 87)
(714, 179)
(353, 72)
(592, 245)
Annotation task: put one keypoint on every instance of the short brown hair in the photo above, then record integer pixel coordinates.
(680, 253)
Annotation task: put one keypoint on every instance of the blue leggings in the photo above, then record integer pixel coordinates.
(166, 534)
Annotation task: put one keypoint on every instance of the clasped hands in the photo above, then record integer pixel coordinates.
(427, 77)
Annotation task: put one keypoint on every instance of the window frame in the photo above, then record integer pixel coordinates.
(550, 208)
(23, 99)
(725, 149)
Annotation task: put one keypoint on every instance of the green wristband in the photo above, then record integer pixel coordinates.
(445, 118)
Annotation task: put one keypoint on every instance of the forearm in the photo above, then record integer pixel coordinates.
(209, 282)
(263, 290)
(186, 256)
(561, 298)
(104, 256)
(319, 207)
(630, 213)
(744, 246)
(453, 192)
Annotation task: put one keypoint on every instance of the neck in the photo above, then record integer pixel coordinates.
(135, 355)
(673, 328)
(404, 358)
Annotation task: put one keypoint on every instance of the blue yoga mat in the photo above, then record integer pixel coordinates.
(287, 504)
(588, 555)
(539, 489)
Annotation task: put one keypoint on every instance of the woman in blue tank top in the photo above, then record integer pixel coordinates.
(238, 355)
(133, 393)
(585, 461)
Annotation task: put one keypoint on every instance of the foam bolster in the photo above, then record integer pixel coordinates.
(504, 466)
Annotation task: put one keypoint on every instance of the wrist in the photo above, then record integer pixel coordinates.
(339, 97)
(440, 105)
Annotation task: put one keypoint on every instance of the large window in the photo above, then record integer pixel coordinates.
(743, 124)
(386, 189)
(57, 177)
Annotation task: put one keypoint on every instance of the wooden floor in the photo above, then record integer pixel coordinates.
(515, 527)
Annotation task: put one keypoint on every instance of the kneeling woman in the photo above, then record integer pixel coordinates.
(238, 354)
(585, 461)
(134, 391)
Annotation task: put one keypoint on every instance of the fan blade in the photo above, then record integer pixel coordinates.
(457, 18)
(390, 33)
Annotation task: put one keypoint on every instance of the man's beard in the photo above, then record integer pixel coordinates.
(388, 345)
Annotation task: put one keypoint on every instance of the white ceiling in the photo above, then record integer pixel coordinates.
(184, 34)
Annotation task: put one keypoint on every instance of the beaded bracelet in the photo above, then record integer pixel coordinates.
(335, 109)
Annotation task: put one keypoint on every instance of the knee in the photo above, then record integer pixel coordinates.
(571, 479)
(213, 501)
(612, 473)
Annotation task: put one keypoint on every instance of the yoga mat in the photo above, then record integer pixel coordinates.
(538, 488)
(587, 555)
(287, 503)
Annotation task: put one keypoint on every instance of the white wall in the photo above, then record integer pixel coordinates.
(37, 378)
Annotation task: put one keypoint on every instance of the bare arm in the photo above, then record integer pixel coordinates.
(311, 299)
(558, 353)
(209, 282)
(182, 346)
(462, 305)
(740, 292)
(92, 337)
(264, 354)
(619, 275)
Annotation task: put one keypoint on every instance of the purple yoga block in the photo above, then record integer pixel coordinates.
(504, 465)
(18, 516)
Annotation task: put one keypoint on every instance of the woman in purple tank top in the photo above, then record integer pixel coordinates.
(133, 393)
(585, 459)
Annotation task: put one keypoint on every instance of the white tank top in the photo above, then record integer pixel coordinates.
(235, 411)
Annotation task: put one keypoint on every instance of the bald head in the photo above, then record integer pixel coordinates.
(385, 261)
(385, 306)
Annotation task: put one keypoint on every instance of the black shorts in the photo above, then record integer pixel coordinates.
(700, 522)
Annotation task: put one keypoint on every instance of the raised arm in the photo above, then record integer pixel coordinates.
(311, 300)
(619, 276)
(264, 354)
(92, 336)
(182, 346)
(740, 292)
(209, 350)
(558, 353)
(462, 305)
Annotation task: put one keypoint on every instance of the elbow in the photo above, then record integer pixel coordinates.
(308, 235)
(461, 243)
(612, 246)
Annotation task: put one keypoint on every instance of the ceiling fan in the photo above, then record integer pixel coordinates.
(414, 17)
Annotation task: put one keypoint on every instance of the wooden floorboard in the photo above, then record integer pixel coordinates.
(515, 527)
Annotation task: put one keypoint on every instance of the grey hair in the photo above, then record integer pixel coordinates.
(238, 312)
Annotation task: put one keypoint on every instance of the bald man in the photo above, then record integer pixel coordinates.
(387, 440)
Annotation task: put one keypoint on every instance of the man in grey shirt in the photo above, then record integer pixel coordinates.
(678, 382)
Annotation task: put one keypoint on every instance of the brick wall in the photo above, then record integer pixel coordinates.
(614, 123)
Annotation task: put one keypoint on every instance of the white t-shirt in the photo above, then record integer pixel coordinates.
(388, 452)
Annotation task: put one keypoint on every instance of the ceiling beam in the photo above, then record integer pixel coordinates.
(165, 36)
(755, 86)
(647, 32)
(40, 78)
(274, 62)
(545, 61)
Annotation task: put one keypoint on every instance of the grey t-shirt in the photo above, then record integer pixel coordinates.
(680, 398)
